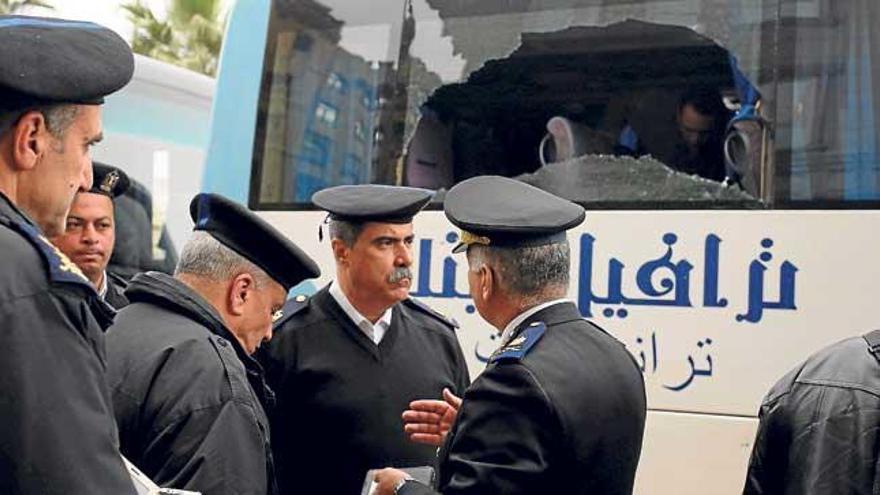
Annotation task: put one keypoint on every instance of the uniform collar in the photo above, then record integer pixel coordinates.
(342, 300)
(10, 209)
(102, 290)
(511, 327)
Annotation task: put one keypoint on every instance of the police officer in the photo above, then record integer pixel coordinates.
(90, 234)
(58, 433)
(818, 425)
(560, 407)
(189, 398)
(346, 362)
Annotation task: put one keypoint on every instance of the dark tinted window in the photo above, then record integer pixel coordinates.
(634, 104)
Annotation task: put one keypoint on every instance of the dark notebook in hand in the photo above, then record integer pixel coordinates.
(422, 474)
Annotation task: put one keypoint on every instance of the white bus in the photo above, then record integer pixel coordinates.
(717, 284)
(156, 130)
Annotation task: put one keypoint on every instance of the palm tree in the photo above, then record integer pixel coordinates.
(190, 35)
(13, 6)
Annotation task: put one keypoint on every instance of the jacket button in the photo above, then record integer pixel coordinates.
(221, 341)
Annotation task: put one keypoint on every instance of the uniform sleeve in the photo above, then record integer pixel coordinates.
(462, 376)
(502, 442)
(58, 432)
(216, 450)
(766, 472)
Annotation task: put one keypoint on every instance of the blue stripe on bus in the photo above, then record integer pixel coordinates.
(230, 150)
(859, 148)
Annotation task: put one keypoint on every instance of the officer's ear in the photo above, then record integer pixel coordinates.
(340, 251)
(241, 290)
(30, 139)
(487, 278)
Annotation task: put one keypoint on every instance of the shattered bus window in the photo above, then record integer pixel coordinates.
(630, 88)
(622, 181)
(696, 97)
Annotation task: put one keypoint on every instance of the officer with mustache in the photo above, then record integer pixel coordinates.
(90, 233)
(346, 362)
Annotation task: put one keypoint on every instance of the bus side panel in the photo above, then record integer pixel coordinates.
(694, 454)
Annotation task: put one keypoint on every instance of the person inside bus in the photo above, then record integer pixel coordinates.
(90, 232)
(188, 396)
(819, 428)
(560, 407)
(687, 138)
(346, 362)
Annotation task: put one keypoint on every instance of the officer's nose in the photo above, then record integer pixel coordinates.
(87, 176)
(89, 234)
(404, 255)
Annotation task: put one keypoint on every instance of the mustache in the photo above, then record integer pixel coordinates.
(400, 273)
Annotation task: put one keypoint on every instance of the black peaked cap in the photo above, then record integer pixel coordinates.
(498, 211)
(109, 181)
(241, 230)
(47, 61)
(372, 202)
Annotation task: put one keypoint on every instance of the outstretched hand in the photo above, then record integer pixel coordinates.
(428, 421)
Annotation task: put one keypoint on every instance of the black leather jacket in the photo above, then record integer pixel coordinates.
(819, 426)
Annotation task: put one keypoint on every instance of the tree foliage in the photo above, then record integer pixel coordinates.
(190, 35)
(14, 6)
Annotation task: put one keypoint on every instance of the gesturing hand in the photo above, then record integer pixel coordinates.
(428, 421)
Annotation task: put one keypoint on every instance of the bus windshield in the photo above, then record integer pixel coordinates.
(646, 104)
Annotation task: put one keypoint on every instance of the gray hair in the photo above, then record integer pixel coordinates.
(347, 232)
(531, 273)
(58, 118)
(205, 256)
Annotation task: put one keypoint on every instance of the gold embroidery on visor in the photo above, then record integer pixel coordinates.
(467, 238)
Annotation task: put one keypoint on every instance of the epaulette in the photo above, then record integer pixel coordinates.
(520, 346)
(293, 306)
(61, 269)
(424, 308)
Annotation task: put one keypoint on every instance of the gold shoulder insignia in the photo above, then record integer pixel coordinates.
(64, 263)
(277, 315)
(519, 346)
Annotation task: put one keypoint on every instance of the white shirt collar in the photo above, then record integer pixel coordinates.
(102, 290)
(374, 331)
(507, 334)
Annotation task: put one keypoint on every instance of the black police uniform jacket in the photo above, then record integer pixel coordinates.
(340, 396)
(186, 396)
(559, 409)
(115, 295)
(819, 427)
(58, 435)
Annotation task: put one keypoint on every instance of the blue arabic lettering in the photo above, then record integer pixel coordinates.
(586, 297)
(756, 302)
(710, 274)
(423, 288)
(695, 372)
(679, 281)
(643, 365)
(484, 358)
